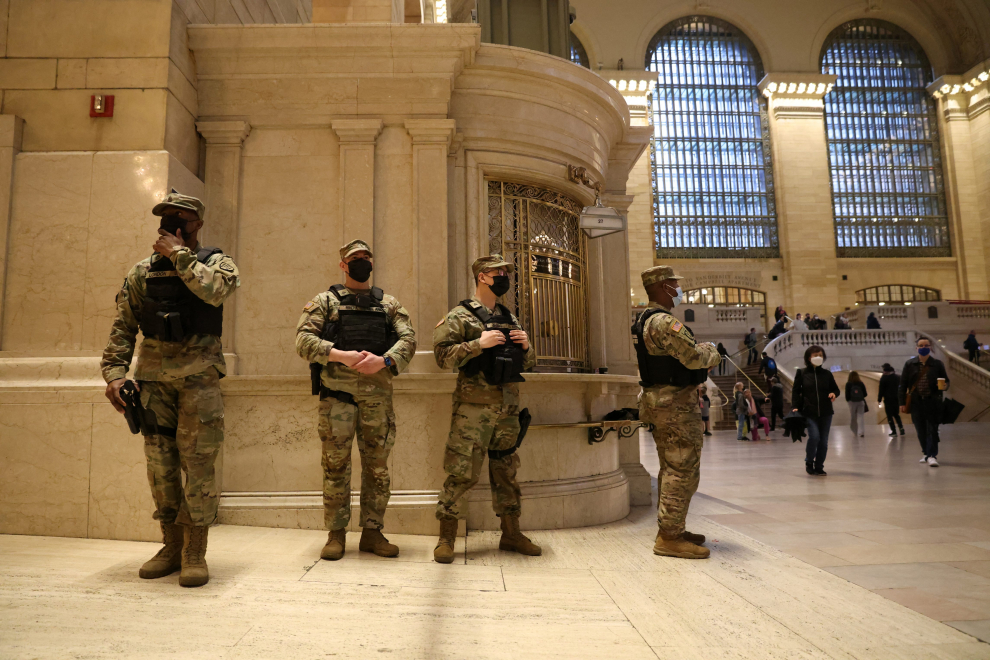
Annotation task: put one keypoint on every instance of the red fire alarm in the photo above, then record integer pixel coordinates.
(101, 105)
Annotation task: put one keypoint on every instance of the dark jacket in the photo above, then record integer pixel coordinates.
(872, 322)
(766, 367)
(909, 377)
(777, 396)
(888, 389)
(811, 389)
(971, 344)
(855, 392)
(777, 329)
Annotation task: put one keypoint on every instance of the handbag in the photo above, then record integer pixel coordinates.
(907, 401)
(866, 406)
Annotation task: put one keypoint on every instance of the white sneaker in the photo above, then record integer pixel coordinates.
(924, 459)
(932, 461)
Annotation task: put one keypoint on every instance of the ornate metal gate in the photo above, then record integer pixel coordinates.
(538, 230)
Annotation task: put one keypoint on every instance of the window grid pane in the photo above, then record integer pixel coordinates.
(579, 55)
(883, 148)
(895, 293)
(710, 153)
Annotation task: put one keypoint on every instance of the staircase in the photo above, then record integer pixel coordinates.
(728, 381)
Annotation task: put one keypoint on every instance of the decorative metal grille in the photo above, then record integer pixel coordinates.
(897, 293)
(883, 145)
(579, 55)
(538, 231)
(710, 153)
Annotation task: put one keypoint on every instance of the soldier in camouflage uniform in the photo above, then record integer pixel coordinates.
(673, 410)
(355, 394)
(178, 380)
(485, 417)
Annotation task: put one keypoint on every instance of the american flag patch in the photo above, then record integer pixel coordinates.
(677, 326)
(310, 305)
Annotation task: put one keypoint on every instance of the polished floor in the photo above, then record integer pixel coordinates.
(914, 534)
(595, 593)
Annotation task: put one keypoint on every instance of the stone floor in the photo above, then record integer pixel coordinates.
(595, 593)
(917, 535)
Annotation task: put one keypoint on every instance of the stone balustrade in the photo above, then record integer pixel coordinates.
(950, 322)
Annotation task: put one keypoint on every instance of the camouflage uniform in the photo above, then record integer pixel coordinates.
(484, 417)
(179, 383)
(673, 412)
(371, 414)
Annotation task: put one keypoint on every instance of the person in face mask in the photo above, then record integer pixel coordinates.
(671, 366)
(923, 380)
(812, 395)
(357, 339)
(483, 340)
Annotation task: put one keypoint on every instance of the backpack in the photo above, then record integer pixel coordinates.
(771, 365)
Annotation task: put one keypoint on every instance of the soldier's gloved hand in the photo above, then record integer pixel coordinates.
(491, 338)
(113, 393)
(520, 337)
(370, 363)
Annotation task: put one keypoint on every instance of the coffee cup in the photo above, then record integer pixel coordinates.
(941, 384)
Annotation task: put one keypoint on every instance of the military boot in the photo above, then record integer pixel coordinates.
(372, 540)
(514, 541)
(195, 572)
(334, 549)
(169, 558)
(679, 547)
(697, 539)
(444, 552)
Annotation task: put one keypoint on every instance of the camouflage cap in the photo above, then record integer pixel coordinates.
(354, 246)
(482, 264)
(658, 274)
(179, 201)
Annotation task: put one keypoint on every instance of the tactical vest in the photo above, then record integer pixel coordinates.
(362, 323)
(662, 369)
(502, 363)
(171, 312)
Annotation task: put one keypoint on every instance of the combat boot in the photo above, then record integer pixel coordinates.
(372, 540)
(679, 547)
(334, 549)
(195, 572)
(514, 541)
(697, 539)
(169, 558)
(444, 552)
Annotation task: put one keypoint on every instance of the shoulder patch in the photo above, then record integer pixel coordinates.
(676, 327)
(309, 306)
(226, 265)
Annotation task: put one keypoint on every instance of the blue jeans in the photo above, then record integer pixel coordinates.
(817, 440)
(740, 425)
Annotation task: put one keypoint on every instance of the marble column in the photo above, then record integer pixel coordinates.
(805, 220)
(431, 139)
(357, 178)
(11, 132)
(224, 141)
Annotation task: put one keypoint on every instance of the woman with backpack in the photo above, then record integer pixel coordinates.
(856, 398)
(812, 395)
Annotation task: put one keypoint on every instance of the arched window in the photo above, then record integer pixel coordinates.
(578, 54)
(883, 149)
(710, 154)
(896, 293)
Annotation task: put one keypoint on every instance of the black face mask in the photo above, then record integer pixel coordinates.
(360, 270)
(173, 223)
(499, 285)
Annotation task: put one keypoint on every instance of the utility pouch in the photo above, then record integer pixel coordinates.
(315, 373)
(133, 410)
(524, 421)
(171, 323)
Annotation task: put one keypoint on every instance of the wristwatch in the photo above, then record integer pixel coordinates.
(389, 362)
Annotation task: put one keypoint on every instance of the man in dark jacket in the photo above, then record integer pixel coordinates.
(924, 379)
(872, 322)
(776, 403)
(768, 367)
(972, 346)
(889, 383)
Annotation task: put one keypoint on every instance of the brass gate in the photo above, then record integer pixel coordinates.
(538, 230)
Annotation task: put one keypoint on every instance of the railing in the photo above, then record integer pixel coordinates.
(825, 338)
(958, 366)
(973, 312)
(730, 315)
